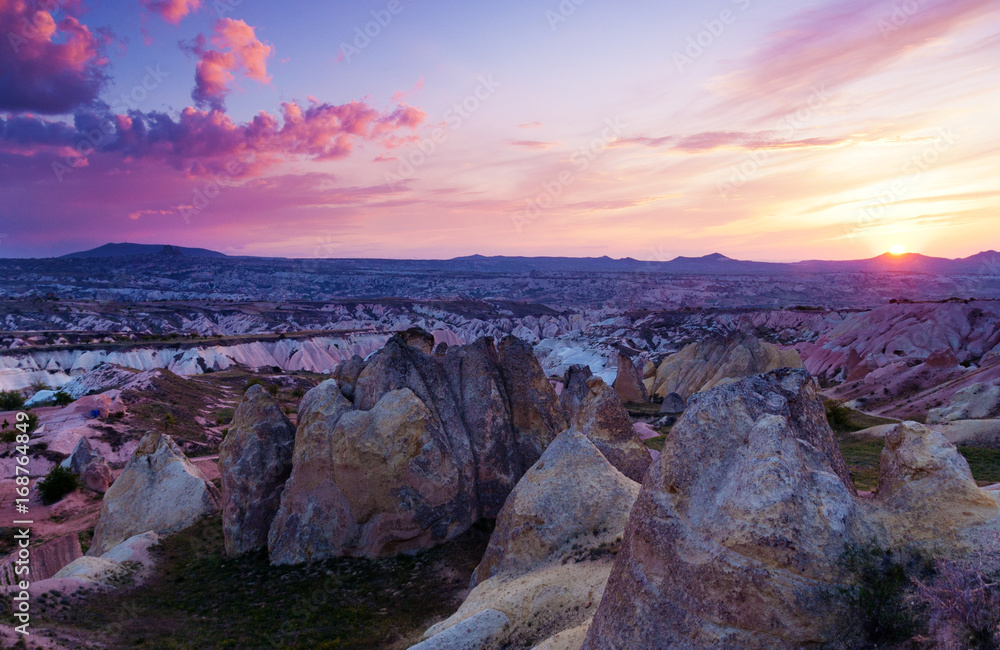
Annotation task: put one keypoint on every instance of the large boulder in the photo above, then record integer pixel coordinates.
(305, 526)
(393, 486)
(88, 463)
(736, 535)
(550, 555)
(975, 402)
(925, 488)
(606, 423)
(706, 364)
(255, 461)
(673, 404)
(159, 490)
(571, 495)
(488, 413)
(628, 382)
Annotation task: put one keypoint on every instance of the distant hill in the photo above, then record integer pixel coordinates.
(126, 250)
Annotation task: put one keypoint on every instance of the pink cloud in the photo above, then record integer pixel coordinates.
(529, 125)
(842, 41)
(237, 50)
(712, 140)
(53, 65)
(532, 144)
(172, 11)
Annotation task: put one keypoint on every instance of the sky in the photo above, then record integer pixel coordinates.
(763, 130)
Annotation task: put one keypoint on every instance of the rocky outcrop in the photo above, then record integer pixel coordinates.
(628, 382)
(605, 422)
(88, 463)
(130, 560)
(550, 555)
(975, 402)
(159, 490)
(346, 373)
(305, 526)
(255, 461)
(574, 390)
(673, 404)
(925, 488)
(484, 413)
(735, 538)
(712, 362)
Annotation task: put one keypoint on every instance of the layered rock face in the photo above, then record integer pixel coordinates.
(88, 463)
(159, 490)
(735, 538)
(255, 460)
(482, 414)
(550, 554)
(712, 362)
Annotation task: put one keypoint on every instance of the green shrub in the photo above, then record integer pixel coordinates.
(32, 422)
(225, 416)
(878, 598)
(57, 484)
(256, 381)
(11, 400)
(62, 399)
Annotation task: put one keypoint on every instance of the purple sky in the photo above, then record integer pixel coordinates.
(763, 130)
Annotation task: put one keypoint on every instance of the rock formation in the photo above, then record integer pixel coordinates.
(46, 560)
(706, 364)
(159, 490)
(574, 390)
(88, 463)
(603, 420)
(735, 538)
(550, 554)
(673, 404)
(255, 460)
(925, 488)
(628, 382)
(305, 525)
(974, 402)
(483, 412)
(737, 535)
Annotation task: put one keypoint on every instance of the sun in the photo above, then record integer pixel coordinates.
(898, 249)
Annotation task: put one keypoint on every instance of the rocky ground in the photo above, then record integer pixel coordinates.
(470, 482)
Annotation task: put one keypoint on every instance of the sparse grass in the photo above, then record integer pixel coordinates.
(224, 416)
(847, 420)
(637, 410)
(984, 463)
(861, 453)
(656, 443)
(199, 598)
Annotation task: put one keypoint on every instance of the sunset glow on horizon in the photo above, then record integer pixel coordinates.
(761, 130)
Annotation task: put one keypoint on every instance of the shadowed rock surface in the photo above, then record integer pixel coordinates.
(305, 525)
(673, 404)
(484, 413)
(605, 422)
(159, 490)
(574, 390)
(88, 463)
(628, 382)
(550, 554)
(255, 461)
